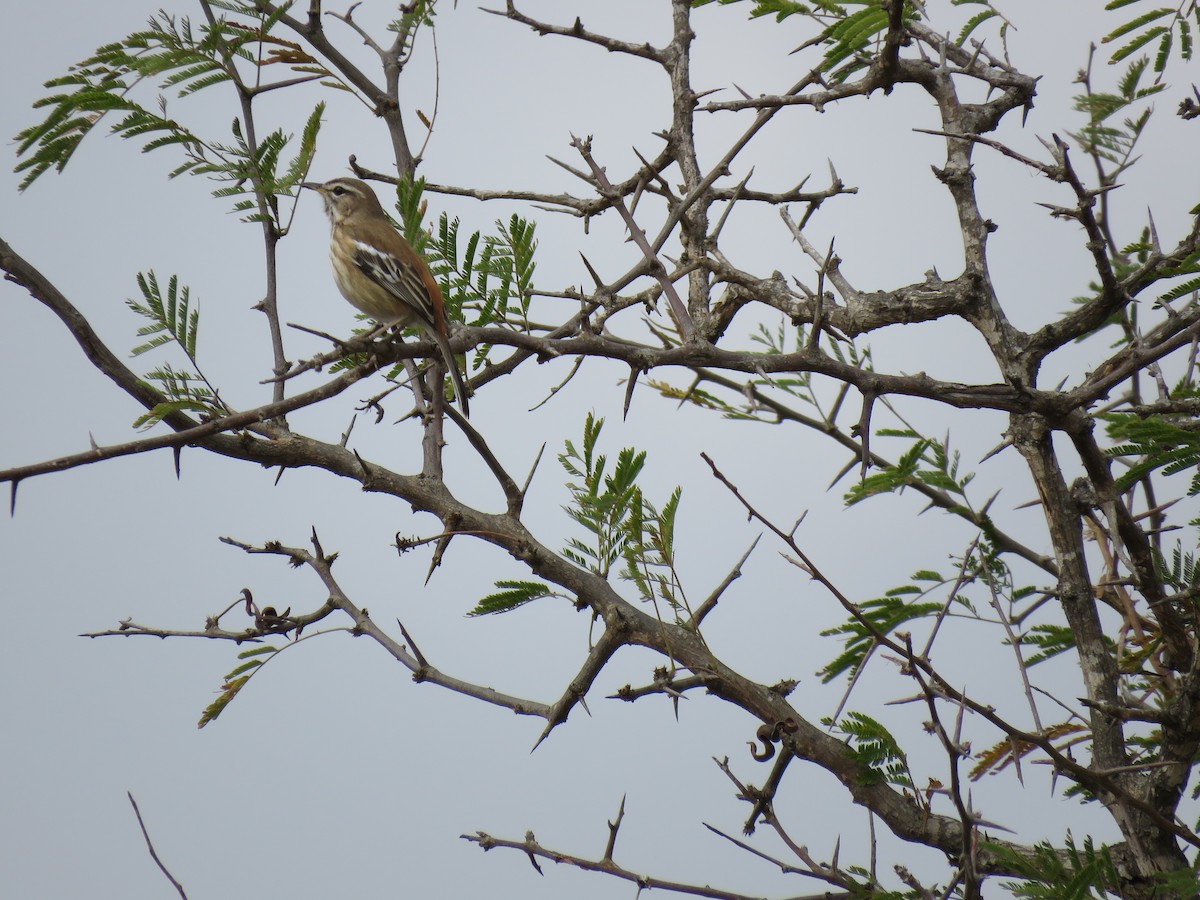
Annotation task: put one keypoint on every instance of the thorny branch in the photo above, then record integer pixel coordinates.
(908, 54)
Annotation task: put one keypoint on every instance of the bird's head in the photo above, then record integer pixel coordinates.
(347, 198)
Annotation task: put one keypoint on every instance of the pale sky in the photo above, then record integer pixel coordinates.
(333, 775)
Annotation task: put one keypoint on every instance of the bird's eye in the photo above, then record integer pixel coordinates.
(338, 191)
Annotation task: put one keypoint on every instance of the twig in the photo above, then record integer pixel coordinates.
(150, 846)
(683, 318)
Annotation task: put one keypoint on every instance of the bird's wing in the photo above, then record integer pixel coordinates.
(403, 280)
(411, 282)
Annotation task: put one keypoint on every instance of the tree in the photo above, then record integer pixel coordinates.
(1090, 609)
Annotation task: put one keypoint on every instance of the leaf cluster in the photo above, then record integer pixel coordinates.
(1066, 873)
(1164, 24)
(604, 502)
(1154, 443)
(622, 525)
(488, 276)
(1115, 142)
(181, 59)
(235, 680)
(172, 319)
(972, 24)
(926, 461)
(851, 30)
(880, 617)
(511, 594)
(492, 276)
(872, 745)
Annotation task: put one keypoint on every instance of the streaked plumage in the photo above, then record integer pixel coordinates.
(379, 273)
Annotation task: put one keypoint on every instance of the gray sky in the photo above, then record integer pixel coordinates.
(334, 775)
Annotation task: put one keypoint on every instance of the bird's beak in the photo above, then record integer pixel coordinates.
(313, 186)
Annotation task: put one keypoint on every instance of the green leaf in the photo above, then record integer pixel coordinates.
(161, 410)
(235, 681)
(974, 22)
(1164, 53)
(1136, 44)
(171, 316)
(1050, 641)
(883, 615)
(1053, 873)
(298, 168)
(511, 595)
(1137, 23)
(1181, 290)
(171, 54)
(873, 746)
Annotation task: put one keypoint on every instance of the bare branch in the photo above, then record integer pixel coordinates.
(150, 846)
(576, 30)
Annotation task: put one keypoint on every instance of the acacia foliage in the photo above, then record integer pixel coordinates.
(1120, 606)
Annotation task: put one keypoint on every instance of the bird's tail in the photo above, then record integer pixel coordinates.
(451, 362)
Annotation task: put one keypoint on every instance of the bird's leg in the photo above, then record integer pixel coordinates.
(418, 388)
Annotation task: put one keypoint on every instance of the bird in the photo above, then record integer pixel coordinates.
(379, 272)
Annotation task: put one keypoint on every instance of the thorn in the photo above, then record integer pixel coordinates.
(864, 428)
(177, 452)
(12, 504)
(362, 465)
(439, 551)
(613, 827)
(854, 461)
(421, 661)
(595, 277)
(92, 441)
(983, 510)
(545, 734)
(687, 395)
(529, 834)
(576, 172)
(1001, 445)
(282, 469)
(629, 386)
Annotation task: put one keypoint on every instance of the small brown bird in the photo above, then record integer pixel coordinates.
(379, 273)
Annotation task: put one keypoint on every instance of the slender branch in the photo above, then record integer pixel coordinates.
(611, 640)
(576, 30)
(710, 602)
(422, 671)
(197, 433)
(267, 212)
(683, 319)
(531, 848)
(150, 846)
